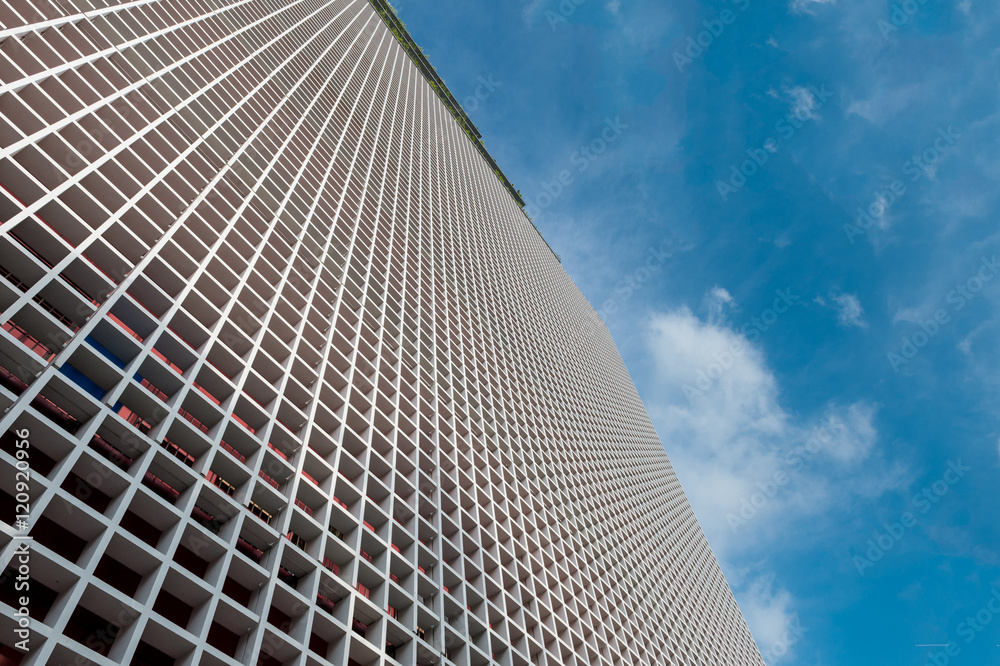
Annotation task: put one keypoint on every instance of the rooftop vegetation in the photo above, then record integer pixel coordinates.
(398, 29)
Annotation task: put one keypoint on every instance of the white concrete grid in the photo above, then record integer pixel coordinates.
(303, 384)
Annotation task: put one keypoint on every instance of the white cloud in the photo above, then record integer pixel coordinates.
(717, 407)
(909, 315)
(716, 301)
(850, 314)
(769, 611)
(888, 102)
(855, 443)
(772, 42)
(613, 6)
(803, 102)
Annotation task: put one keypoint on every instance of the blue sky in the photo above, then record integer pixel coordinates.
(791, 233)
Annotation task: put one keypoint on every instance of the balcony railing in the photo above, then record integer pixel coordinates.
(244, 424)
(125, 327)
(288, 577)
(259, 511)
(302, 505)
(177, 452)
(248, 549)
(221, 483)
(145, 383)
(297, 540)
(111, 453)
(57, 414)
(29, 341)
(207, 394)
(167, 361)
(233, 452)
(135, 420)
(160, 487)
(277, 450)
(10, 277)
(206, 519)
(11, 382)
(268, 479)
(194, 421)
(56, 314)
(325, 603)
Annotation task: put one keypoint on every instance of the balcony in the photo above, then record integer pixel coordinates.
(177, 452)
(33, 345)
(56, 414)
(302, 505)
(160, 487)
(220, 483)
(109, 452)
(249, 550)
(231, 451)
(259, 511)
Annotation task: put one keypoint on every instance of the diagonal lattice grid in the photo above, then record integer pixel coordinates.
(302, 384)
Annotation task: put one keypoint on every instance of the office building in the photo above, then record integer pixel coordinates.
(300, 382)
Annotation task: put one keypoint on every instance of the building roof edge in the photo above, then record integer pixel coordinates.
(402, 35)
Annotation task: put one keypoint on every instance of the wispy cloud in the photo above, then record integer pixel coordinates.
(850, 313)
(730, 443)
(803, 102)
(769, 609)
(806, 6)
(528, 14)
(716, 302)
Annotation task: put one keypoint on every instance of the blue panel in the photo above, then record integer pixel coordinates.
(105, 351)
(83, 381)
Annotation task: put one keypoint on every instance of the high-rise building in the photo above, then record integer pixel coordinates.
(288, 377)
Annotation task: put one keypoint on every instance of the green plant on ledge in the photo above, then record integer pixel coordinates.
(416, 54)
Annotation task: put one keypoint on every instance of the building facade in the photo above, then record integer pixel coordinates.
(288, 377)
